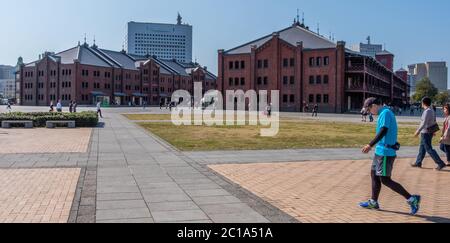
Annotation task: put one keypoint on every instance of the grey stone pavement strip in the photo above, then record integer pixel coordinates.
(299, 155)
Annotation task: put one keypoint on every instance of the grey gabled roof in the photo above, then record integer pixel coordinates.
(125, 61)
(175, 66)
(292, 35)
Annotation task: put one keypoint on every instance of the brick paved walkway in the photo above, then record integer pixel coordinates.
(330, 191)
(37, 195)
(41, 140)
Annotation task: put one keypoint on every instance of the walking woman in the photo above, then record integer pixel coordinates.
(445, 139)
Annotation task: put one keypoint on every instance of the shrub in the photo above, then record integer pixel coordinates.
(82, 119)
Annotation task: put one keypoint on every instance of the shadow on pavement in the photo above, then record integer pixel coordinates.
(434, 219)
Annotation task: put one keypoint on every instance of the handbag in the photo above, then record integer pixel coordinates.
(434, 129)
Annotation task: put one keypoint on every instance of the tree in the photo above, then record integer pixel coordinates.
(424, 88)
(442, 98)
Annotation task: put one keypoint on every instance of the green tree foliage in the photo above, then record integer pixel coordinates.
(424, 88)
(442, 98)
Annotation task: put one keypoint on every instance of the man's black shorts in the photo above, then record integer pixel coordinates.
(383, 165)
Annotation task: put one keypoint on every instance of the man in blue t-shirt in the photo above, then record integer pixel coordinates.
(385, 155)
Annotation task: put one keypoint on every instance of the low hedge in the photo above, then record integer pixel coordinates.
(82, 119)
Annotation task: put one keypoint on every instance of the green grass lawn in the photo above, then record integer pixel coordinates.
(292, 135)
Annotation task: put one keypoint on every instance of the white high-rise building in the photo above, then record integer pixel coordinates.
(437, 72)
(166, 41)
(367, 49)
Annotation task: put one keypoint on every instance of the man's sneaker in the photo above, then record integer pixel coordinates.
(371, 204)
(414, 203)
(441, 167)
(416, 166)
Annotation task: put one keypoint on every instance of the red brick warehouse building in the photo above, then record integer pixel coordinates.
(308, 68)
(87, 74)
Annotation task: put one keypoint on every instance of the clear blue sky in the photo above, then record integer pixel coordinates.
(416, 31)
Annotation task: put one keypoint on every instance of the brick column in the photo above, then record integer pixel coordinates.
(299, 75)
(340, 76)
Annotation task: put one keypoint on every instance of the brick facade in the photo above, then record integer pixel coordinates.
(148, 80)
(302, 74)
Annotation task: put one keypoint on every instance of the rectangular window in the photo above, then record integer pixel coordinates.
(319, 99)
(285, 80)
(319, 61)
(326, 61)
(311, 98)
(326, 99)
(236, 81)
(292, 62)
(230, 82)
(285, 62)
(292, 80)
(265, 80)
(318, 79)
(266, 63)
(242, 64)
(259, 80)
(236, 65)
(292, 99)
(311, 61)
(230, 65)
(243, 81)
(259, 64)
(311, 79)
(285, 98)
(325, 79)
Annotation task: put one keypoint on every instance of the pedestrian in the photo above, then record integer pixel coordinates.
(371, 117)
(52, 107)
(269, 110)
(8, 106)
(71, 107)
(315, 110)
(99, 109)
(75, 105)
(426, 130)
(445, 139)
(364, 115)
(59, 106)
(386, 147)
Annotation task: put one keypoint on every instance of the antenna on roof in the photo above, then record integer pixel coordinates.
(85, 38)
(298, 15)
(318, 28)
(303, 18)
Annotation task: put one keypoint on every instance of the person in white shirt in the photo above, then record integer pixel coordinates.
(59, 106)
(99, 109)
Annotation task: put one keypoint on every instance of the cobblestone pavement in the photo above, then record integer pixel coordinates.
(37, 195)
(329, 191)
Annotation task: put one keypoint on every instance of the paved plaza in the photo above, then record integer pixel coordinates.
(322, 192)
(37, 195)
(119, 172)
(41, 140)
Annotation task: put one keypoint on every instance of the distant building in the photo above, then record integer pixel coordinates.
(88, 74)
(6, 72)
(437, 72)
(7, 88)
(166, 41)
(368, 48)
